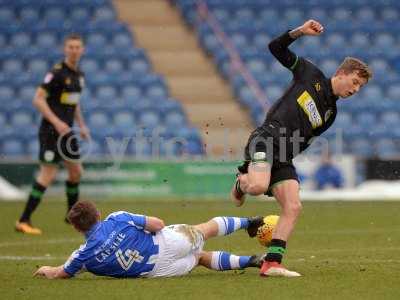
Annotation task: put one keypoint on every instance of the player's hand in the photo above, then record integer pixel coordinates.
(62, 128)
(44, 271)
(312, 27)
(84, 132)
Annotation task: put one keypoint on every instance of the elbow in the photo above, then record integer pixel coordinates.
(160, 225)
(272, 46)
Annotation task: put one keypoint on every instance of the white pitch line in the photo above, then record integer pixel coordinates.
(27, 243)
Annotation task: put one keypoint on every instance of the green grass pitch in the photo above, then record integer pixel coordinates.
(345, 250)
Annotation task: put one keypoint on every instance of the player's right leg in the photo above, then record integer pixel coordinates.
(255, 173)
(220, 226)
(45, 177)
(224, 261)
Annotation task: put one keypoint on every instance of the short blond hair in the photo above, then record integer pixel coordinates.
(351, 64)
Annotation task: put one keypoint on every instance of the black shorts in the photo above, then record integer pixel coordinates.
(282, 168)
(53, 148)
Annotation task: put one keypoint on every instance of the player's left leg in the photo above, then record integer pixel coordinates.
(219, 226)
(75, 171)
(287, 195)
(223, 261)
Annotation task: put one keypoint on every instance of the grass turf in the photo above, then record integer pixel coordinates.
(345, 250)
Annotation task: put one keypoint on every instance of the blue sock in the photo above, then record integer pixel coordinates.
(222, 261)
(227, 225)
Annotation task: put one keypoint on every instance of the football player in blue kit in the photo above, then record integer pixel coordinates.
(131, 245)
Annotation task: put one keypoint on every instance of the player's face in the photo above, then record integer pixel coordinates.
(73, 50)
(350, 84)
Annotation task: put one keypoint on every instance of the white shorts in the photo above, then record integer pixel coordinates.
(180, 246)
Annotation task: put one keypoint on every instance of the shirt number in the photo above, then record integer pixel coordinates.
(127, 259)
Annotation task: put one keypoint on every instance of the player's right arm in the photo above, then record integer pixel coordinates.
(279, 47)
(39, 101)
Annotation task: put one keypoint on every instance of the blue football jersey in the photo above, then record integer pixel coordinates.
(118, 247)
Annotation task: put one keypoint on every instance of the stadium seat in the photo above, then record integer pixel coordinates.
(174, 120)
(46, 40)
(12, 148)
(12, 66)
(149, 119)
(38, 67)
(6, 94)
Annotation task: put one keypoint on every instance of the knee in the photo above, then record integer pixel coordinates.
(294, 208)
(256, 189)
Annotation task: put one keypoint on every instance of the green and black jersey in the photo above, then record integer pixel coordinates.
(308, 105)
(64, 87)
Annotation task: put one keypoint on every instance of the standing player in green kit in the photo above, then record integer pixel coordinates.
(57, 99)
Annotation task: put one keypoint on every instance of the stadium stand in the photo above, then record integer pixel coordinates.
(123, 98)
(365, 29)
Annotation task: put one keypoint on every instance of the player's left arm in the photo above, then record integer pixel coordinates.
(154, 224)
(52, 272)
(84, 130)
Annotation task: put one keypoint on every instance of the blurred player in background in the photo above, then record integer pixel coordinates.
(307, 109)
(130, 245)
(57, 99)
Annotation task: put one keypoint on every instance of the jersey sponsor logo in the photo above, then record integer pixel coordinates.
(48, 78)
(328, 114)
(127, 259)
(308, 105)
(70, 98)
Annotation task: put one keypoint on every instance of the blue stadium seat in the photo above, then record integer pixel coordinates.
(46, 40)
(54, 14)
(7, 16)
(33, 148)
(3, 119)
(89, 66)
(38, 67)
(122, 41)
(12, 148)
(26, 93)
(104, 14)
(156, 92)
(96, 40)
(391, 119)
(149, 119)
(29, 16)
(393, 92)
(139, 66)
(98, 121)
(106, 93)
(174, 120)
(365, 119)
(362, 147)
(386, 148)
(124, 119)
(22, 119)
(131, 92)
(114, 66)
(79, 15)
(12, 67)
(6, 94)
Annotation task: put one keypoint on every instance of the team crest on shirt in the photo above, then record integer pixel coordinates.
(48, 78)
(328, 114)
(67, 81)
(317, 86)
